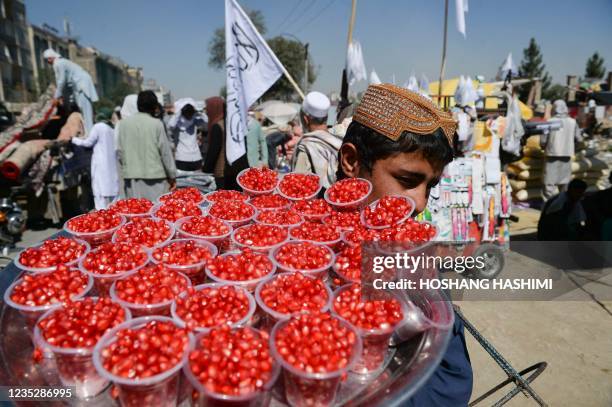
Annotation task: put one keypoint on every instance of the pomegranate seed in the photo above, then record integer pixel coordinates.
(190, 194)
(174, 209)
(269, 202)
(114, 258)
(360, 235)
(233, 362)
(280, 217)
(299, 186)
(37, 356)
(244, 266)
(387, 211)
(144, 231)
(348, 263)
(205, 226)
(96, 221)
(409, 233)
(52, 252)
(381, 314)
(258, 179)
(132, 206)
(312, 208)
(344, 220)
(226, 195)
(259, 236)
(211, 306)
(288, 293)
(232, 210)
(151, 285)
(303, 256)
(52, 287)
(315, 232)
(348, 190)
(182, 253)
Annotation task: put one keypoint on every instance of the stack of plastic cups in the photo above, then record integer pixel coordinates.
(160, 390)
(195, 271)
(95, 238)
(312, 389)
(249, 285)
(221, 241)
(35, 270)
(320, 272)
(75, 366)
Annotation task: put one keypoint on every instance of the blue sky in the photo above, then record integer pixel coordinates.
(170, 39)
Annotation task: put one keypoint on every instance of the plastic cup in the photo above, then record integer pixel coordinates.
(349, 206)
(270, 317)
(34, 270)
(250, 285)
(103, 282)
(169, 195)
(311, 196)
(143, 310)
(159, 205)
(332, 244)
(275, 224)
(220, 241)
(259, 249)
(320, 272)
(195, 271)
(392, 247)
(170, 235)
(254, 192)
(373, 205)
(240, 222)
(312, 389)
(243, 197)
(75, 366)
(240, 323)
(160, 390)
(207, 397)
(95, 238)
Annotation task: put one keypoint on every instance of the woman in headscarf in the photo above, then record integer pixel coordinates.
(104, 174)
(215, 157)
(183, 127)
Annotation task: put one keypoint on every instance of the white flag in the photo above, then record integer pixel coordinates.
(461, 8)
(251, 68)
(374, 79)
(355, 67)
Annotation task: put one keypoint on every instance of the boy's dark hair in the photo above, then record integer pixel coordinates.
(373, 146)
(147, 102)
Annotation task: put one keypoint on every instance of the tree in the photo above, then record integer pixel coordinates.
(595, 67)
(555, 92)
(533, 67)
(115, 96)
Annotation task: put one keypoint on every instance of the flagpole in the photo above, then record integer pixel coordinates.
(443, 52)
(344, 87)
(293, 82)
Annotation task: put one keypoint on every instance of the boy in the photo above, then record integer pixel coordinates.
(400, 141)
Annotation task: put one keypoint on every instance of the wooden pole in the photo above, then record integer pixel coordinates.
(293, 83)
(443, 52)
(344, 87)
(352, 22)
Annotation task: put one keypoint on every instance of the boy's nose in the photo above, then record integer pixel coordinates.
(419, 195)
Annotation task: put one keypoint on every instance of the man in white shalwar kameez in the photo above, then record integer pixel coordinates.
(104, 174)
(72, 80)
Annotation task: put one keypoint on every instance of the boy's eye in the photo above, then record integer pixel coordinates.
(409, 182)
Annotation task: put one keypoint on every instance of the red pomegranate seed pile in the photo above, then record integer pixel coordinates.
(348, 190)
(281, 217)
(182, 253)
(132, 206)
(303, 256)
(96, 221)
(190, 194)
(410, 231)
(258, 235)
(213, 363)
(147, 351)
(344, 220)
(315, 343)
(151, 285)
(348, 262)
(174, 209)
(259, 179)
(314, 207)
(226, 195)
(273, 201)
(372, 314)
(80, 324)
(299, 186)
(49, 288)
(232, 210)
(114, 258)
(293, 292)
(206, 226)
(388, 211)
(212, 306)
(244, 266)
(315, 232)
(145, 231)
(361, 234)
(52, 252)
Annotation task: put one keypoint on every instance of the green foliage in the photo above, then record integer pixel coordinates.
(555, 92)
(532, 66)
(115, 96)
(595, 67)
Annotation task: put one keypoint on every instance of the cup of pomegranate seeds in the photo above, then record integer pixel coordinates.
(257, 181)
(208, 306)
(143, 359)
(410, 235)
(347, 220)
(34, 294)
(328, 235)
(272, 201)
(348, 194)
(187, 256)
(225, 195)
(315, 350)
(236, 213)
(190, 194)
(285, 294)
(359, 235)
(387, 211)
(112, 261)
(95, 227)
(279, 217)
(259, 238)
(244, 268)
(348, 264)
(174, 209)
(132, 207)
(71, 332)
(299, 187)
(46, 256)
(149, 291)
(219, 381)
(306, 257)
(148, 232)
(313, 210)
(205, 227)
(375, 320)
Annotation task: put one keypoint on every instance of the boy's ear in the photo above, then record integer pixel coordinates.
(349, 160)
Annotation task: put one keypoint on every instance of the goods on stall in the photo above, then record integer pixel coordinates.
(187, 256)
(387, 211)
(132, 207)
(257, 181)
(280, 217)
(313, 210)
(145, 231)
(174, 209)
(51, 253)
(244, 268)
(348, 194)
(273, 201)
(225, 195)
(307, 257)
(299, 186)
(190, 194)
(258, 237)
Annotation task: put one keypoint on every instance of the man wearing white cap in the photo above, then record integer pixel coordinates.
(73, 81)
(317, 151)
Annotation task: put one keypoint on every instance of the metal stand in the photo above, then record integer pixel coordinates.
(521, 383)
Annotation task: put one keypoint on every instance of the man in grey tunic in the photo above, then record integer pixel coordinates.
(559, 149)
